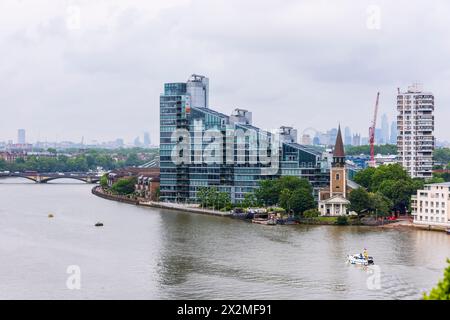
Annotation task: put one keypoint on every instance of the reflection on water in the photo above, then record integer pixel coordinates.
(150, 253)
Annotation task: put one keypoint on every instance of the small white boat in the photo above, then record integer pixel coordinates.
(359, 259)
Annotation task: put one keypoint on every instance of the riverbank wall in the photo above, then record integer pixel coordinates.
(98, 191)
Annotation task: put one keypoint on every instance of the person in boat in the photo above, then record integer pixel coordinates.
(366, 254)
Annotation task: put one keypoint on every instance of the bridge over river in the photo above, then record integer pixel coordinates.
(41, 177)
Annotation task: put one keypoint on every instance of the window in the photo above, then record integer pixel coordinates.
(337, 176)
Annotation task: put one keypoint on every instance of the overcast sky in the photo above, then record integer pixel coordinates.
(95, 68)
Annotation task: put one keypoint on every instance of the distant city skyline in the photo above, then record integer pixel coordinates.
(303, 62)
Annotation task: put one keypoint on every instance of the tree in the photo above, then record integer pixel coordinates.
(342, 221)
(267, 192)
(285, 199)
(291, 183)
(436, 179)
(249, 200)
(270, 191)
(388, 172)
(124, 186)
(157, 193)
(223, 200)
(211, 197)
(399, 192)
(132, 160)
(301, 200)
(380, 204)
(442, 290)
(202, 195)
(391, 181)
(441, 155)
(3, 164)
(365, 149)
(359, 200)
(104, 181)
(364, 177)
(311, 213)
(442, 175)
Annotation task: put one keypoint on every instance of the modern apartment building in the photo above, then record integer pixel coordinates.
(200, 147)
(415, 129)
(431, 206)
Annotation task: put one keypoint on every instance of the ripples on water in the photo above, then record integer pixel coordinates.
(144, 253)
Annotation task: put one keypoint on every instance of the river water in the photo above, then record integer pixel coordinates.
(143, 253)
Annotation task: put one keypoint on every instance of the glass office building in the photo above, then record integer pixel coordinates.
(225, 152)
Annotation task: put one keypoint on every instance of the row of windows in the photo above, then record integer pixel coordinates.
(168, 117)
(432, 211)
(435, 219)
(168, 128)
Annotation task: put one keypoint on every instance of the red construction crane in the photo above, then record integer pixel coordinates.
(372, 133)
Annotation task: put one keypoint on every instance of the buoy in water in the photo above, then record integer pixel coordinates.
(99, 224)
(50, 215)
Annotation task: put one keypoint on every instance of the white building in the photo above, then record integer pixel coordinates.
(430, 207)
(415, 127)
(381, 159)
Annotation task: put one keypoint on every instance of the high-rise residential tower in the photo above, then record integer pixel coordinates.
(21, 136)
(415, 129)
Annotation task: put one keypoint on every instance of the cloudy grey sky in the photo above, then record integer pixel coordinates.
(95, 68)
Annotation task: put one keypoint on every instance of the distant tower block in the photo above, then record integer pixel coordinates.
(21, 139)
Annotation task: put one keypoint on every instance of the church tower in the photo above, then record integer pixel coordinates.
(338, 178)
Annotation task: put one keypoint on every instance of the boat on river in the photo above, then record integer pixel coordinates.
(267, 222)
(360, 259)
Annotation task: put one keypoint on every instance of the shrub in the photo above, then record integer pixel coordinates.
(311, 213)
(342, 221)
(442, 290)
(104, 181)
(124, 186)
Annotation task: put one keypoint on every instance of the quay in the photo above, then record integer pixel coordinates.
(97, 190)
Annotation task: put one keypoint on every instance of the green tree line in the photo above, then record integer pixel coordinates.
(442, 289)
(290, 193)
(365, 149)
(293, 194)
(387, 188)
(63, 163)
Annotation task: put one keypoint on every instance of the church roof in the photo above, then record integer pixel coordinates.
(339, 146)
(352, 184)
(337, 199)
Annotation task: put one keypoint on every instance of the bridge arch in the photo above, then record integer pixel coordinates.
(82, 179)
(19, 176)
(45, 178)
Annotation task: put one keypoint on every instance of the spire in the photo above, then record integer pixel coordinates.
(339, 146)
